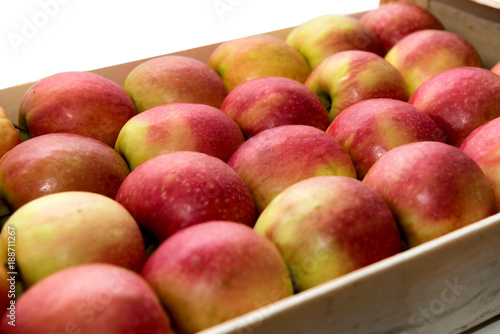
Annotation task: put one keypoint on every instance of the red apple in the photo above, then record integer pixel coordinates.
(432, 188)
(178, 127)
(175, 190)
(58, 162)
(243, 59)
(279, 157)
(394, 20)
(425, 53)
(216, 271)
(328, 226)
(323, 36)
(76, 102)
(370, 128)
(9, 137)
(459, 100)
(268, 102)
(61, 230)
(90, 299)
(349, 77)
(171, 79)
(483, 145)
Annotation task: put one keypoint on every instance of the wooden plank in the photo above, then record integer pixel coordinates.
(421, 3)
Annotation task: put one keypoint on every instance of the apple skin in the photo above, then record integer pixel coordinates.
(348, 77)
(394, 20)
(370, 128)
(216, 271)
(243, 59)
(64, 229)
(425, 53)
(323, 36)
(76, 102)
(483, 145)
(93, 298)
(174, 79)
(279, 157)
(175, 190)
(496, 68)
(58, 162)
(328, 226)
(265, 103)
(8, 133)
(178, 127)
(459, 100)
(432, 188)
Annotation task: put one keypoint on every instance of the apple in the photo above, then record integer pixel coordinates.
(178, 127)
(425, 53)
(171, 79)
(432, 188)
(276, 158)
(243, 59)
(394, 20)
(265, 103)
(496, 68)
(328, 226)
(325, 35)
(6, 293)
(58, 162)
(174, 190)
(459, 100)
(76, 102)
(212, 272)
(9, 137)
(64, 229)
(370, 128)
(483, 145)
(347, 77)
(93, 298)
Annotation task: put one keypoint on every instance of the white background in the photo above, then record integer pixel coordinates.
(42, 37)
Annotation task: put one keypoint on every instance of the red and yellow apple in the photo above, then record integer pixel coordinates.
(90, 299)
(370, 128)
(9, 137)
(213, 272)
(174, 79)
(392, 21)
(175, 190)
(496, 68)
(83, 103)
(328, 226)
(243, 59)
(425, 53)
(178, 127)
(265, 103)
(348, 77)
(459, 100)
(58, 162)
(432, 188)
(325, 35)
(483, 145)
(276, 158)
(65, 229)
